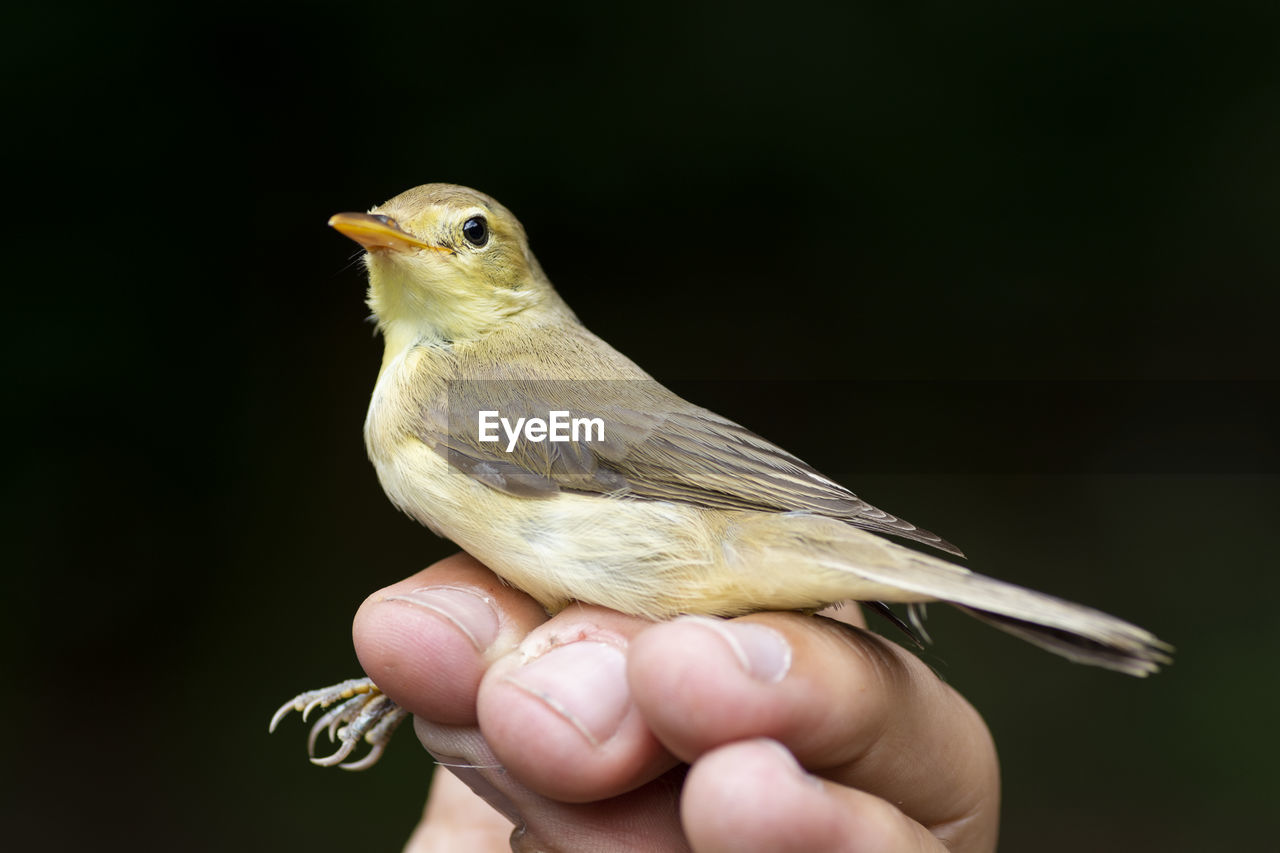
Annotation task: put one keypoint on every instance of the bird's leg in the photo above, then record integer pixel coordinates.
(361, 712)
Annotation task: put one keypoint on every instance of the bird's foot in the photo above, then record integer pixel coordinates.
(361, 712)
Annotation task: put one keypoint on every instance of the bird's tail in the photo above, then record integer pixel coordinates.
(1132, 651)
(1074, 631)
(891, 572)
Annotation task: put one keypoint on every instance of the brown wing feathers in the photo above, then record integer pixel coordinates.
(656, 447)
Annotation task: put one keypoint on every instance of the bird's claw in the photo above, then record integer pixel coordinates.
(364, 713)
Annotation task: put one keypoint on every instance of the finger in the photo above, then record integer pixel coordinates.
(644, 819)
(558, 712)
(427, 640)
(752, 795)
(850, 706)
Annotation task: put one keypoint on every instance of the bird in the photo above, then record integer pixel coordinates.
(499, 421)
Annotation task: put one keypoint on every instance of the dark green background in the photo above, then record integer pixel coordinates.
(1010, 268)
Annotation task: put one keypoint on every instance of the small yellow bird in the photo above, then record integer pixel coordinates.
(500, 422)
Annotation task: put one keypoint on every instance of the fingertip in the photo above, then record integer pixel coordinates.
(563, 701)
(702, 682)
(747, 795)
(427, 640)
(761, 652)
(822, 688)
(753, 795)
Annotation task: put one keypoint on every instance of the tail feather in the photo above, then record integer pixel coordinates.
(1074, 631)
(1132, 657)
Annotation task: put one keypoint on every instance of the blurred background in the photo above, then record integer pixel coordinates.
(1008, 272)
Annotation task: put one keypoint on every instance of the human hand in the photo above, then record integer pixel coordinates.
(597, 731)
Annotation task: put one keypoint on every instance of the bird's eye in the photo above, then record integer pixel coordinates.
(476, 230)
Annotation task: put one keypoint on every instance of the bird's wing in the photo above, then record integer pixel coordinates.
(655, 446)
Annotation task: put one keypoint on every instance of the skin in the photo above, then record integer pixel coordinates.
(774, 731)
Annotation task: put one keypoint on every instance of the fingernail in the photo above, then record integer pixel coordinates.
(762, 652)
(471, 613)
(584, 682)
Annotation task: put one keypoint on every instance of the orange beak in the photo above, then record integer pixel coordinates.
(374, 231)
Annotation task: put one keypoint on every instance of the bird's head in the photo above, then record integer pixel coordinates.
(446, 263)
